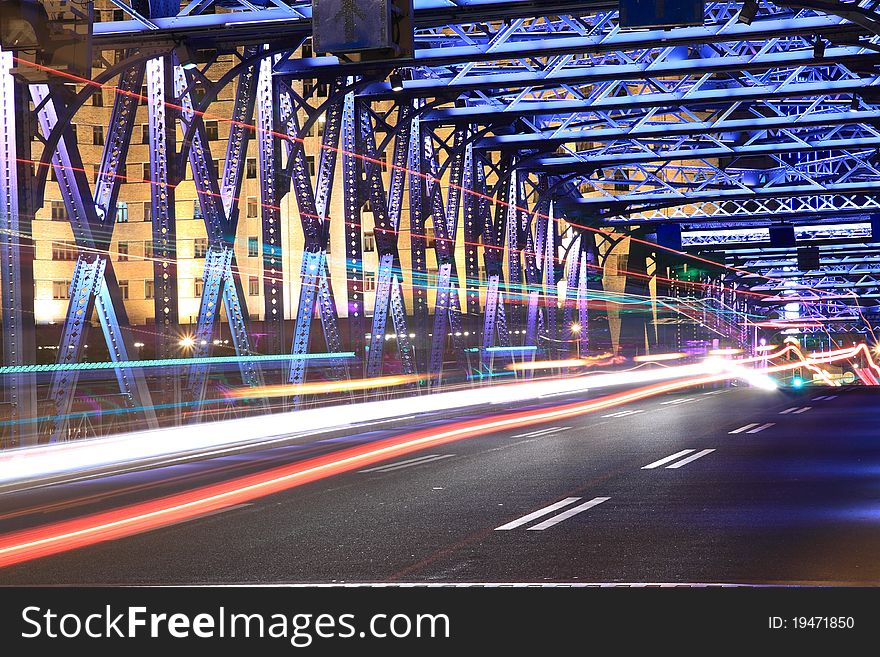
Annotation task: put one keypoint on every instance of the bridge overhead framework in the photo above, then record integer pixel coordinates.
(534, 178)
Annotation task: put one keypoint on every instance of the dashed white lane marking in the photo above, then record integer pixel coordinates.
(513, 524)
(625, 413)
(541, 432)
(667, 459)
(744, 428)
(714, 392)
(568, 513)
(692, 457)
(684, 400)
(830, 397)
(820, 398)
(788, 410)
(802, 410)
(397, 465)
(761, 428)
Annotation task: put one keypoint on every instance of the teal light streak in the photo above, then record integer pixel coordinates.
(167, 362)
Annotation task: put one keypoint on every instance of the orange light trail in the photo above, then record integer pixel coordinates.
(658, 358)
(323, 387)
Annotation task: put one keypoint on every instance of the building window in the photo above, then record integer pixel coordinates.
(212, 130)
(253, 286)
(144, 95)
(64, 250)
(322, 89)
(369, 242)
(145, 133)
(252, 206)
(149, 289)
(96, 171)
(122, 212)
(253, 247)
(148, 249)
(197, 209)
(310, 161)
(308, 87)
(60, 289)
(98, 135)
(384, 160)
(369, 281)
(147, 173)
(122, 171)
(122, 251)
(252, 167)
(98, 98)
(198, 288)
(307, 49)
(148, 211)
(200, 247)
(123, 290)
(118, 15)
(59, 212)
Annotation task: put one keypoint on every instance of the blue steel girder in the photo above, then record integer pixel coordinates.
(655, 131)
(220, 227)
(585, 37)
(447, 303)
(354, 268)
(500, 113)
(315, 285)
(418, 212)
(655, 68)
(269, 153)
(125, 103)
(386, 212)
(16, 255)
(162, 143)
(240, 130)
(95, 285)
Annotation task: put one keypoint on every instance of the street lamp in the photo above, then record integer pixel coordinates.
(576, 331)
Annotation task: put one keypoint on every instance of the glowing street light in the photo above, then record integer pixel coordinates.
(187, 342)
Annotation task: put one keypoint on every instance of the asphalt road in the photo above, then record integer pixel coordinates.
(745, 486)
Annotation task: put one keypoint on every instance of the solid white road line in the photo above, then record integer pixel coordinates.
(803, 410)
(788, 410)
(692, 457)
(741, 429)
(513, 524)
(830, 397)
(568, 513)
(761, 428)
(405, 464)
(714, 392)
(684, 400)
(664, 461)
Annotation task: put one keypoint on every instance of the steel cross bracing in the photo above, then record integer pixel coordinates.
(315, 290)
(386, 210)
(220, 216)
(94, 285)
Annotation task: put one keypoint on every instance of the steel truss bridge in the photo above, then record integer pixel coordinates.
(534, 136)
